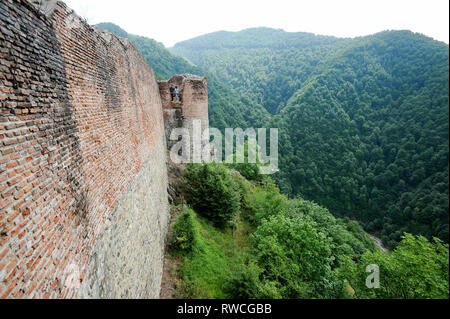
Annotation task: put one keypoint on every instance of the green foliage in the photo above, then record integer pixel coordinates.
(185, 232)
(212, 259)
(416, 269)
(281, 227)
(263, 64)
(282, 248)
(263, 202)
(251, 171)
(244, 283)
(212, 192)
(111, 27)
(295, 258)
(347, 237)
(370, 135)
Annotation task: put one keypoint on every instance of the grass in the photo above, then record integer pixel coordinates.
(212, 260)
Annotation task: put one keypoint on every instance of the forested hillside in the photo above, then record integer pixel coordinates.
(263, 64)
(363, 122)
(226, 107)
(242, 239)
(370, 136)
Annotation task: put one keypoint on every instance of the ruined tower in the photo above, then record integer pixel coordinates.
(190, 111)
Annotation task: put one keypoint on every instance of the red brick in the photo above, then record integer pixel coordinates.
(11, 276)
(11, 165)
(8, 291)
(12, 216)
(7, 151)
(4, 252)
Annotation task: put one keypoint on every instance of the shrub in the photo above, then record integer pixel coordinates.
(263, 203)
(212, 192)
(184, 230)
(251, 171)
(243, 284)
(294, 254)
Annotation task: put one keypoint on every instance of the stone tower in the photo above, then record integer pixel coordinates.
(190, 109)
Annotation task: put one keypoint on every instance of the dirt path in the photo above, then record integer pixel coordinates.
(169, 278)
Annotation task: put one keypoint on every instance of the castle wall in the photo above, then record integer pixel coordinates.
(83, 200)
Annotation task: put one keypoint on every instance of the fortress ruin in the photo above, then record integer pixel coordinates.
(83, 157)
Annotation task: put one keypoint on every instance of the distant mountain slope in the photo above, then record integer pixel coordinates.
(264, 64)
(227, 108)
(255, 38)
(369, 136)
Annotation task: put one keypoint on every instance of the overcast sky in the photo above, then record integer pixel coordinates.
(172, 21)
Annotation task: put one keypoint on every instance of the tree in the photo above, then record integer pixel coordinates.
(212, 192)
(416, 269)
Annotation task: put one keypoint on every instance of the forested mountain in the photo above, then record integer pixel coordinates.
(226, 107)
(369, 136)
(363, 122)
(266, 65)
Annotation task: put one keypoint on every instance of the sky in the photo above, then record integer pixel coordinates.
(172, 21)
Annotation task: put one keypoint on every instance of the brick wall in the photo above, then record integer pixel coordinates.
(81, 128)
